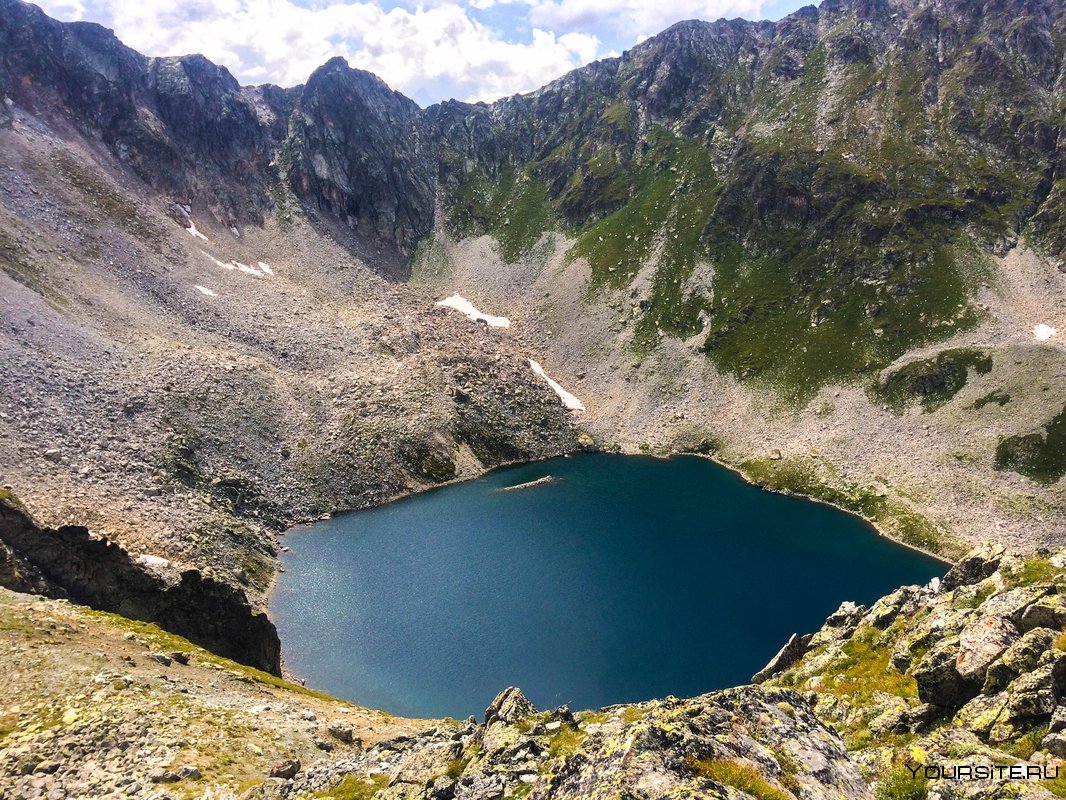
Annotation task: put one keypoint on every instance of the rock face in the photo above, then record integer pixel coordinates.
(953, 670)
(738, 743)
(100, 574)
(361, 152)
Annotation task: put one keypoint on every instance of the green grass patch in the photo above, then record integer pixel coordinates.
(931, 381)
(456, 767)
(900, 784)
(1057, 785)
(7, 496)
(738, 775)
(159, 639)
(355, 788)
(1032, 571)
(1041, 457)
(1027, 744)
(565, 742)
(864, 669)
(802, 477)
(514, 210)
(670, 199)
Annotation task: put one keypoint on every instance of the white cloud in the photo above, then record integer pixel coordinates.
(433, 52)
(628, 16)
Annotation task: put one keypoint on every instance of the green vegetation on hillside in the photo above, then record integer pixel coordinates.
(514, 210)
(802, 477)
(1041, 457)
(738, 775)
(931, 381)
(672, 197)
(843, 203)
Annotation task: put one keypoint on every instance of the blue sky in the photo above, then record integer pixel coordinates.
(430, 50)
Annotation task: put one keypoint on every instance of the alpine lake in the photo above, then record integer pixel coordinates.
(622, 578)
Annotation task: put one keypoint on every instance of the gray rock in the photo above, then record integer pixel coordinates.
(1058, 719)
(286, 770)
(939, 682)
(980, 643)
(1047, 612)
(974, 567)
(793, 651)
(1021, 657)
(1055, 744)
(189, 772)
(341, 732)
(160, 775)
(1013, 604)
(509, 706)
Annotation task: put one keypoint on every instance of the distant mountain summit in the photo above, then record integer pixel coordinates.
(848, 155)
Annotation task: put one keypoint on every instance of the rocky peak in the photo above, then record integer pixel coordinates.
(360, 152)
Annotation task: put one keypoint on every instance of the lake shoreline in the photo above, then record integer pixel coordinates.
(646, 551)
(737, 470)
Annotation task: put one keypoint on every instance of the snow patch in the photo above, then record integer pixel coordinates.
(192, 231)
(464, 306)
(247, 269)
(266, 268)
(568, 399)
(1044, 332)
(206, 291)
(218, 263)
(237, 265)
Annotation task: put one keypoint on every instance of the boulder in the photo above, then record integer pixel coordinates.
(939, 682)
(981, 714)
(1021, 657)
(1055, 743)
(509, 707)
(980, 643)
(1014, 603)
(286, 770)
(1058, 719)
(840, 625)
(1047, 612)
(902, 601)
(974, 567)
(1031, 702)
(341, 732)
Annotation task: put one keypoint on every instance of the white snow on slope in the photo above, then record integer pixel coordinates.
(238, 265)
(464, 306)
(191, 230)
(568, 399)
(1043, 332)
(222, 264)
(205, 290)
(247, 269)
(266, 268)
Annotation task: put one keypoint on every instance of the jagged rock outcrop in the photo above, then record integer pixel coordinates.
(975, 664)
(68, 562)
(743, 742)
(361, 151)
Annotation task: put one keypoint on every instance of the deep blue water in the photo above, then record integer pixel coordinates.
(629, 578)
